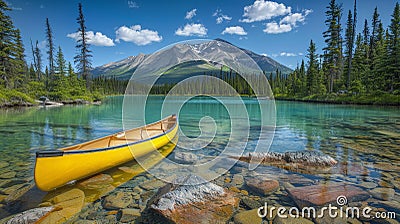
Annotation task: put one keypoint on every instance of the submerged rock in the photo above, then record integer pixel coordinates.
(97, 182)
(262, 186)
(186, 157)
(323, 194)
(30, 216)
(248, 217)
(66, 205)
(117, 201)
(152, 184)
(128, 214)
(8, 175)
(4, 164)
(312, 158)
(383, 193)
(301, 161)
(187, 201)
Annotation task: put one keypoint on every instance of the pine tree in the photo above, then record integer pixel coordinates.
(349, 38)
(50, 48)
(6, 42)
(19, 66)
(333, 51)
(83, 58)
(394, 51)
(374, 34)
(38, 64)
(60, 62)
(312, 69)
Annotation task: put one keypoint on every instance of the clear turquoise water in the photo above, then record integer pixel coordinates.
(347, 133)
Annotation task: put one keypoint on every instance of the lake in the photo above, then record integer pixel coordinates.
(365, 140)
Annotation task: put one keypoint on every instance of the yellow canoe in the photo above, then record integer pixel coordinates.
(55, 168)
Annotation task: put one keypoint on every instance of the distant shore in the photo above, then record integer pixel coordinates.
(385, 100)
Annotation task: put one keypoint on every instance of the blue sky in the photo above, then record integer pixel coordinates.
(122, 28)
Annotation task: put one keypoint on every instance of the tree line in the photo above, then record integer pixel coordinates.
(367, 63)
(58, 80)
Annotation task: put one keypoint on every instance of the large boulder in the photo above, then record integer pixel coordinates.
(191, 199)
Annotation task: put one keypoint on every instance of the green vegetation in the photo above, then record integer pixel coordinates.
(370, 75)
(21, 84)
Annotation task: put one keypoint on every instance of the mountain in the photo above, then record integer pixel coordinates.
(180, 54)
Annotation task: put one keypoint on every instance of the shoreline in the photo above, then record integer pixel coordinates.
(337, 101)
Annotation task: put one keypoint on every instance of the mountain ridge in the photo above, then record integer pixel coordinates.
(123, 69)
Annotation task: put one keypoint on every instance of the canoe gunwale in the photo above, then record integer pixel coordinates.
(57, 153)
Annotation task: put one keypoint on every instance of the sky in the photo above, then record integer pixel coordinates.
(117, 29)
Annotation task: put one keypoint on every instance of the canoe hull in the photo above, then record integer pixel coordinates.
(56, 171)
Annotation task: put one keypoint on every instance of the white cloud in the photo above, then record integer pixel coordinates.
(287, 54)
(264, 54)
(97, 39)
(136, 35)
(292, 19)
(195, 29)
(263, 10)
(275, 28)
(190, 14)
(301, 54)
(132, 4)
(287, 23)
(238, 30)
(221, 17)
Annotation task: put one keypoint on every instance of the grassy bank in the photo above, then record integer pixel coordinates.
(383, 99)
(15, 98)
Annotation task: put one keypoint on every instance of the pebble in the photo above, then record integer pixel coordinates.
(117, 201)
(4, 164)
(383, 193)
(8, 175)
(152, 184)
(128, 214)
(248, 217)
(238, 180)
(264, 187)
(250, 203)
(368, 185)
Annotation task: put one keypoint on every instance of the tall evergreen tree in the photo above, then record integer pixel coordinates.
(83, 58)
(60, 62)
(38, 65)
(350, 33)
(50, 47)
(333, 51)
(19, 66)
(366, 32)
(394, 51)
(375, 29)
(6, 42)
(349, 47)
(312, 70)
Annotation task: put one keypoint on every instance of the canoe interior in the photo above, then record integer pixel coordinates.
(126, 137)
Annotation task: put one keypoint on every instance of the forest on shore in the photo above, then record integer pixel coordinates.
(21, 84)
(361, 68)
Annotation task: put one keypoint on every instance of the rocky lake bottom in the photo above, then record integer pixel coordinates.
(365, 143)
